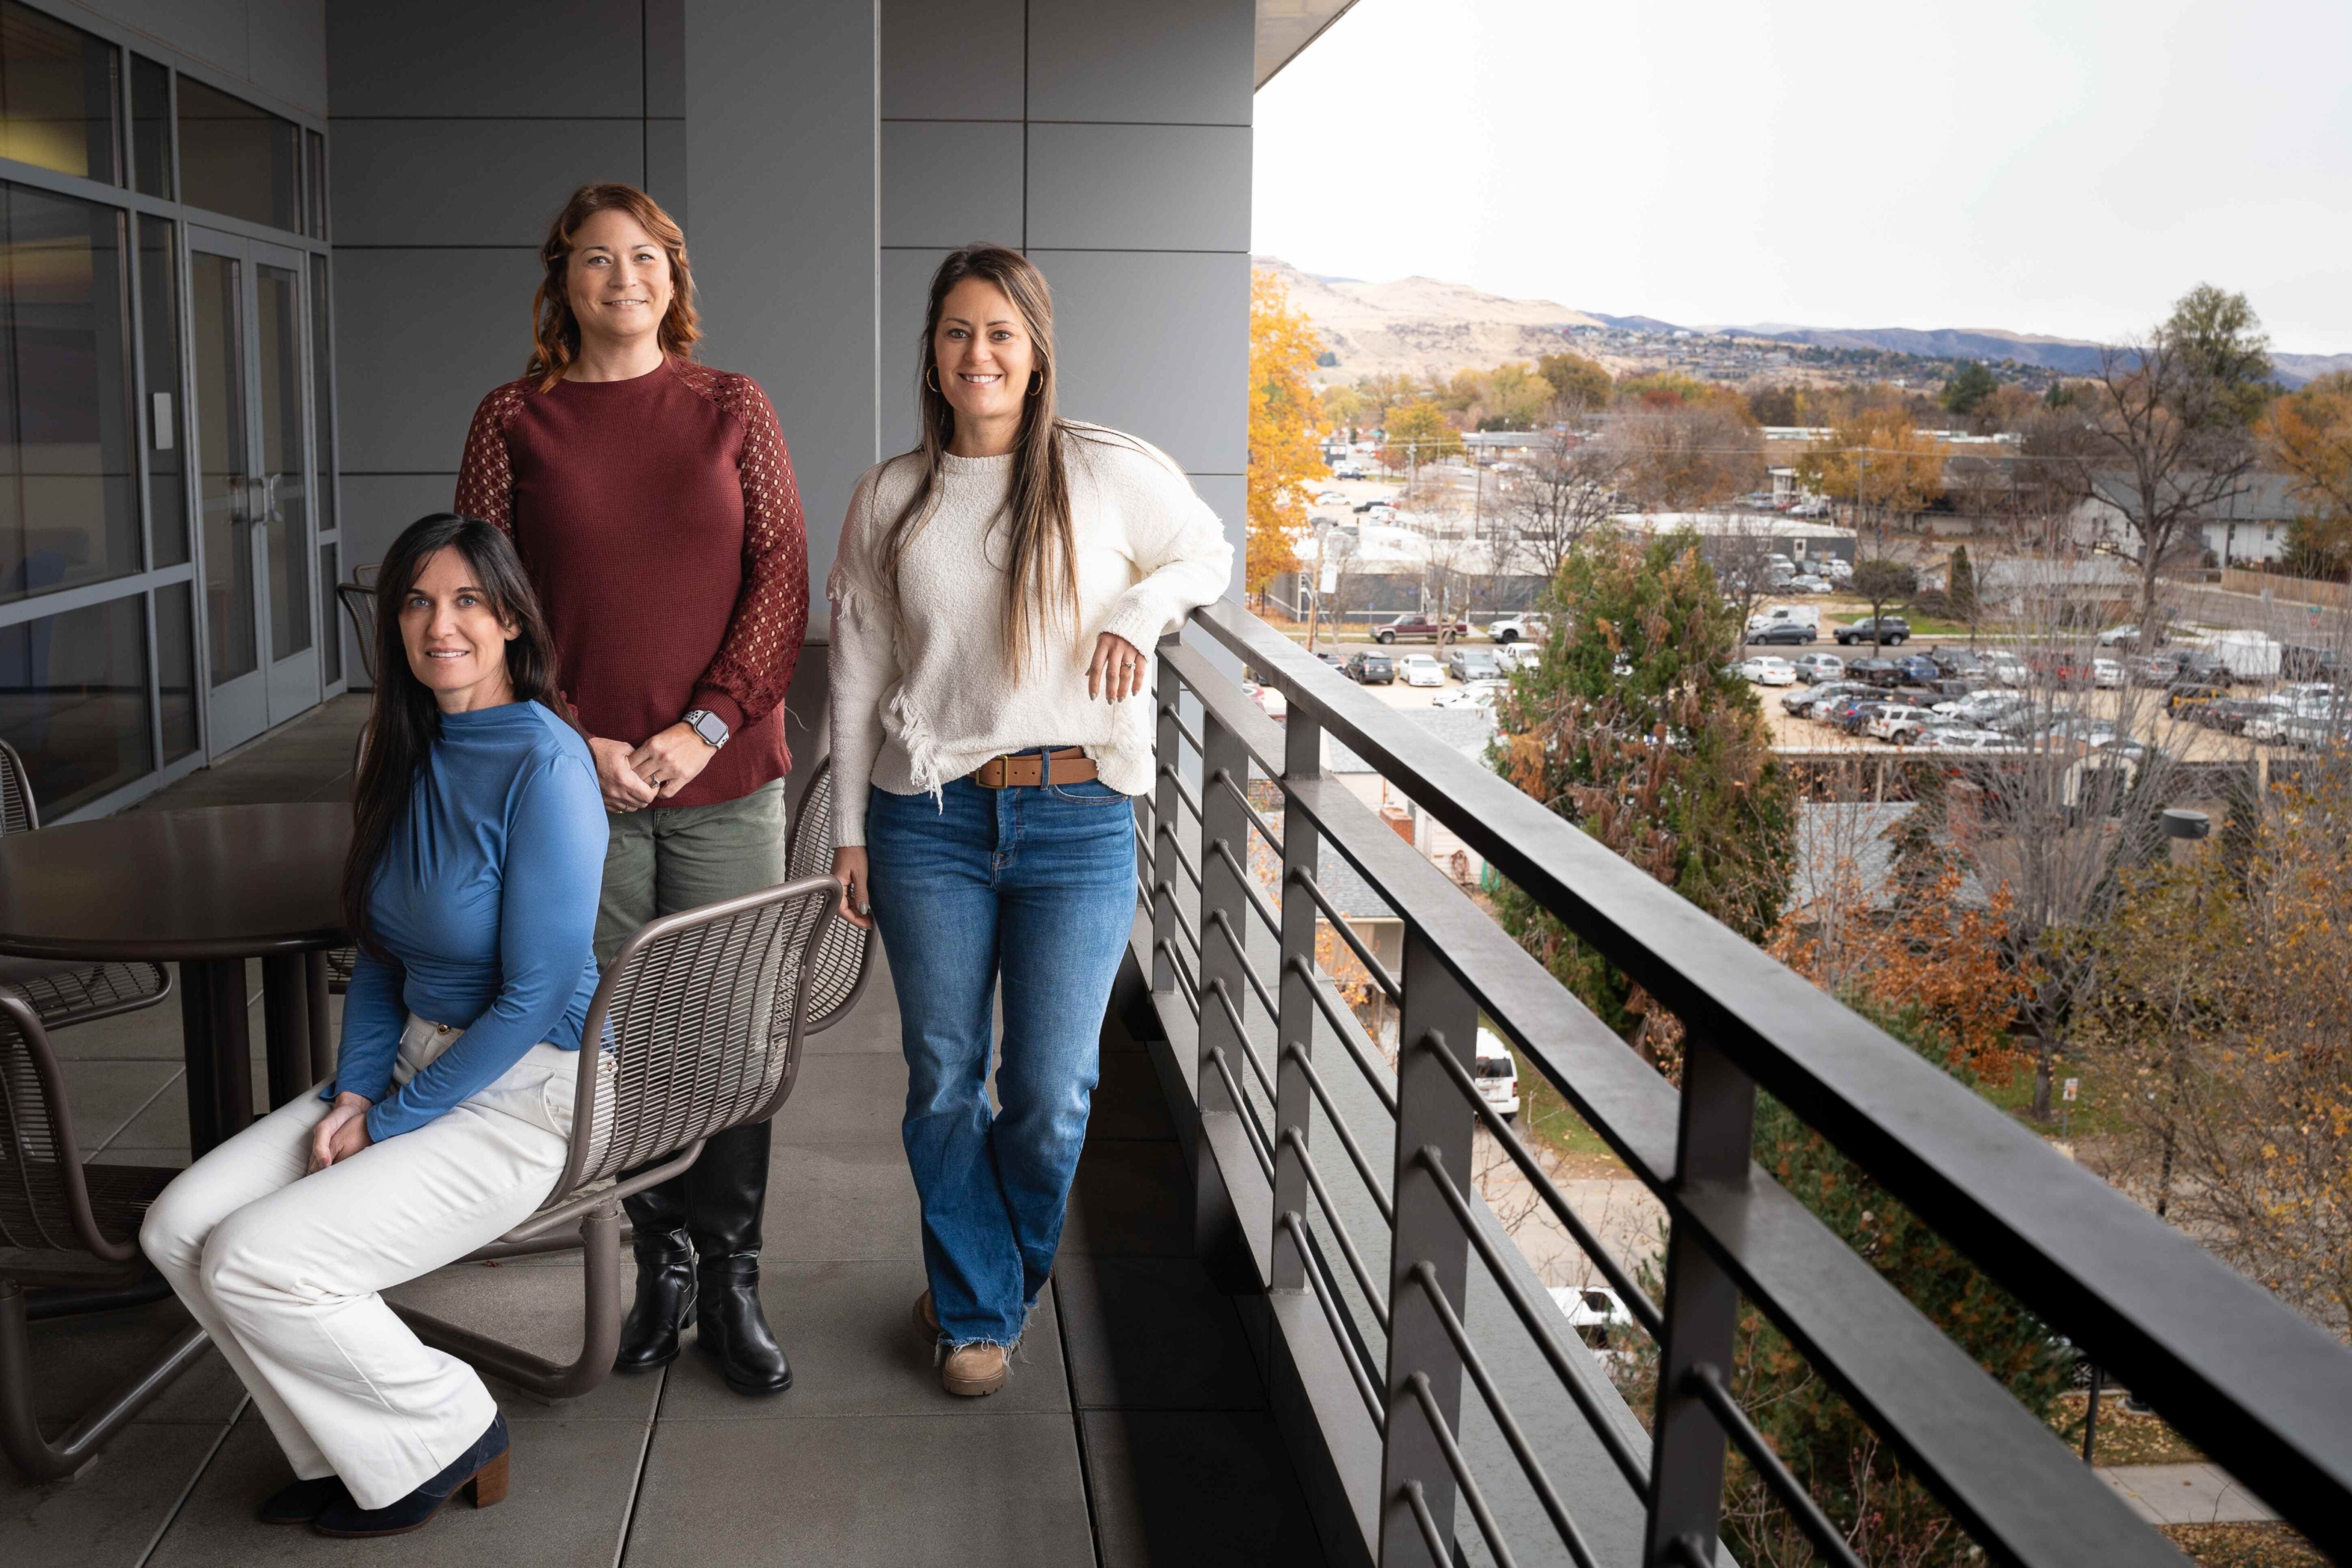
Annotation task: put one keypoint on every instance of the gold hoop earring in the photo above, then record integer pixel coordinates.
(1037, 379)
(931, 379)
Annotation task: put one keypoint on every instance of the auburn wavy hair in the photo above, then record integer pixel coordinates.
(554, 330)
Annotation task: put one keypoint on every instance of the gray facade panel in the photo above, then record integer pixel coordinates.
(949, 183)
(666, 168)
(781, 153)
(376, 507)
(420, 335)
(951, 60)
(1173, 61)
(276, 46)
(1139, 187)
(666, 59)
(471, 182)
(1158, 345)
(429, 58)
(906, 287)
(286, 49)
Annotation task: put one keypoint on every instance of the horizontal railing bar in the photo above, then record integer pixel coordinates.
(1224, 927)
(1224, 995)
(1347, 932)
(1572, 1538)
(1327, 1296)
(1706, 1382)
(1431, 1411)
(1191, 801)
(1266, 913)
(1176, 909)
(1273, 839)
(1644, 1310)
(1246, 1117)
(1222, 699)
(1351, 1032)
(1182, 858)
(1347, 1138)
(2274, 1393)
(1373, 1294)
(1629, 1464)
(1176, 718)
(1184, 985)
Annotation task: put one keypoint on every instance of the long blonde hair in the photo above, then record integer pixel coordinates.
(1043, 555)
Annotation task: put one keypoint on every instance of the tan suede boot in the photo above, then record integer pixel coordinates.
(974, 1370)
(926, 1320)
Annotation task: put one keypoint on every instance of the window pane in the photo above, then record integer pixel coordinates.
(57, 95)
(285, 488)
(176, 667)
(151, 126)
(73, 701)
(167, 480)
(330, 633)
(238, 160)
(216, 323)
(318, 162)
(322, 399)
(68, 487)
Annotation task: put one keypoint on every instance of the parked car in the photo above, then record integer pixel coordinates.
(1805, 701)
(1790, 633)
(1497, 1073)
(1812, 668)
(1275, 706)
(1918, 669)
(2183, 695)
(1594, 1313)
(1963, 737)
(2064, 666)
(1955, 664)
(2204, 667)
(1806, 615)
(2007, 667)
(1467, 663)
(1478, 694)
(1370, 669)
(1883, 673)
(1851, 717)
(2316, 732)
(1330, 657)
(2152, 669)
(2106, 674)
(2300, 662)
(1418, 627)
(1890, 630)
(2231, 715)
(1421, 670)
(1513, 628)
(1806, 583)
(1349, 471)
(1899, 724)
(1980, 705)
(1331, 499)
(1766, 670)
(2126, 637)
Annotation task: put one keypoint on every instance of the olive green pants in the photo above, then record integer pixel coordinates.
(665, 858)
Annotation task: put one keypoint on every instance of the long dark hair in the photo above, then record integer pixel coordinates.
(1043, 560)
(407, 720)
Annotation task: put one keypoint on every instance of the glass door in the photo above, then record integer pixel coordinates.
(246, 322)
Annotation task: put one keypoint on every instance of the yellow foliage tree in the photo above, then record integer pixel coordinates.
(1876, 457)
(1283, 456)
(1419, 432)
(2309, 433)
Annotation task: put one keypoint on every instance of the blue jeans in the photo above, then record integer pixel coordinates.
(1035, 885)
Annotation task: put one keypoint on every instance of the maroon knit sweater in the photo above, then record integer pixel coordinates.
(658, 521)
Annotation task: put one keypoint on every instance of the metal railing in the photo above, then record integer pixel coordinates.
(1380, 1353)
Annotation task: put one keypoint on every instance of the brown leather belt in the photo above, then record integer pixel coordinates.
(1024, 770)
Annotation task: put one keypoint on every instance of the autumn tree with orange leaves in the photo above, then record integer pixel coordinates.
(1283, 456)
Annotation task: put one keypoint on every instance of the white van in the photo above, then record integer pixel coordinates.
(1497, 1073)
(1787, 615)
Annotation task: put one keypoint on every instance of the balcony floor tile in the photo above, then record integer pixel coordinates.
(1154, 1333)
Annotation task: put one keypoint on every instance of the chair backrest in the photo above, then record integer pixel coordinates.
(358, 600)
(839, 973)
(18, 814)
(701, 1015)
(45, 1204)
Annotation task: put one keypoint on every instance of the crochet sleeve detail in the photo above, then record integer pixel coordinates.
(486, 473)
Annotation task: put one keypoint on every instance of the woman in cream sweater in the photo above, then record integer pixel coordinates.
(995, 603)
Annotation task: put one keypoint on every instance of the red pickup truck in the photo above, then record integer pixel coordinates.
(1422, 627)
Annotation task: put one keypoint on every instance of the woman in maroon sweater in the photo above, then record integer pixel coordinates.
(652, 501)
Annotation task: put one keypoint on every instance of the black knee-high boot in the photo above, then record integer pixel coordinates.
(725, 1191)
(665, 1288)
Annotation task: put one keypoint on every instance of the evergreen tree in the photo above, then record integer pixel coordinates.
(1633, 728)
(1971, 386)
(1960, 585)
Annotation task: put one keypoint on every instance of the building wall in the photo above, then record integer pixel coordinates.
(456, 130)
(271, 51)
(1112, 143)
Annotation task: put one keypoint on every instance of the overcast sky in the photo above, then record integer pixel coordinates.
(2059, 166)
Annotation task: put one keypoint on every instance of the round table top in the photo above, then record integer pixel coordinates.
(223, 881)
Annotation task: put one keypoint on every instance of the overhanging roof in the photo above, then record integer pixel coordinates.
(1286, 27)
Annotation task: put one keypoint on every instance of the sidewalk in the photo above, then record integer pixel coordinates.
(2186, 1494)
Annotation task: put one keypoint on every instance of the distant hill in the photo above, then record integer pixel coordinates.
(1420, 326)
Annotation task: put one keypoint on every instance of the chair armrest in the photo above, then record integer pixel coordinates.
(17, 1014)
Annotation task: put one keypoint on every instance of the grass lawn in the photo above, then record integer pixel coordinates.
(1548, 1119)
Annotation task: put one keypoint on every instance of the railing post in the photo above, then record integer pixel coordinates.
(1302, 759)
(1222, 821)
(1702, 1317)
(1432, 1116)
(1167, 819)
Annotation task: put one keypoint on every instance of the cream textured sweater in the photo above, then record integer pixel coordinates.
(923, 691)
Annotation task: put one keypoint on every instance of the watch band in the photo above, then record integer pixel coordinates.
(708, 727)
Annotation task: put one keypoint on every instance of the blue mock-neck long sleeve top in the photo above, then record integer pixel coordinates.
(486, 898)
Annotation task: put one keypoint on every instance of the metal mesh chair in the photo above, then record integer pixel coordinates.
(63, 1224)
(358, 599)
(702, 1016)
(61, 991)
(842, 949)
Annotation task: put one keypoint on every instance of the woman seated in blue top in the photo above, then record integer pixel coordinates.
(477, 852)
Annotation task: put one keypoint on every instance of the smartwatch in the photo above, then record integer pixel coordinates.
(707, 726)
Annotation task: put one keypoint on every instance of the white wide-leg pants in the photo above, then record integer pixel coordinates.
(283, 1270)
